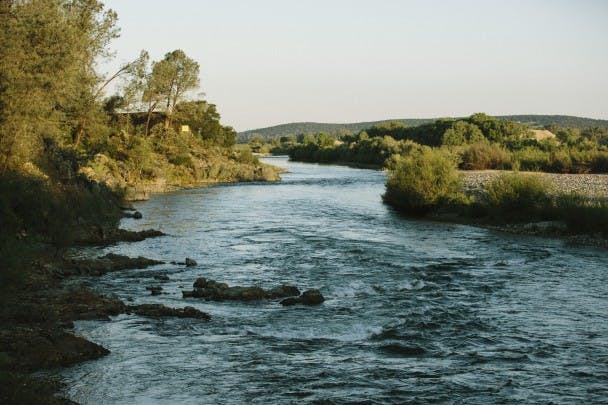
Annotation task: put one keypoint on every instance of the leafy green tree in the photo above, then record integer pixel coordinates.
(309, 139)
(204, 120)
(172, 78)
(90, 106)
(462, 133)
(166, 84)
(48, 50)
(324, 139)
(497, 130)
(568, 136)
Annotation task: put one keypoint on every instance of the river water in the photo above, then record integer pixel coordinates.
(415, 311)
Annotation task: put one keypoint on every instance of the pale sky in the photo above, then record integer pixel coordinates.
(268, 62)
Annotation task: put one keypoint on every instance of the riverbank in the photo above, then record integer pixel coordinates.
(44, 220)
(37, 316)
(591, 186)
(204, 167)
(428, 184)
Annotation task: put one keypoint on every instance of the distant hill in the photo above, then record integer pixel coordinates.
(295, 128)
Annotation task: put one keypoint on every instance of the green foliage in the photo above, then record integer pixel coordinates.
(34, 207)
(517, 195)
(47, 80)
(325, 140)
(482, 142)
(170, 79)
(461, 133)
(484, 156)
(256, 143)
(245, 156)
(203, 120)
(534, 121)
(359, 150)
(582, 214)
(421, 182)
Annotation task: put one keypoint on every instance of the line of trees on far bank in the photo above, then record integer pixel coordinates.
(478, 142)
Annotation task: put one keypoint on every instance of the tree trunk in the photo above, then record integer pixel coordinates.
(150, 111)
(80, 132)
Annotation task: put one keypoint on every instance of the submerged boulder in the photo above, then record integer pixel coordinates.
(190, 262)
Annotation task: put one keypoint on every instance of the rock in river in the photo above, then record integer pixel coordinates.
(154, 289)
(312, 297)
(217, 291)
(289, 301)
(161, 311)
(309, 297)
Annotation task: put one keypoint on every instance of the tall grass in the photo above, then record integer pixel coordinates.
(483, 156)
(582, 214)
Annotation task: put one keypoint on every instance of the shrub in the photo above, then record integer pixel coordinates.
(245, 156)
(600, 162)
(462, 132)
(425, 180)
(483, 156)
(516, 195)
(182, 160)
(560, 162)
(583, 214)
(532, 159)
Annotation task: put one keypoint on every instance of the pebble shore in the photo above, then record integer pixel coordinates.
(593, 185)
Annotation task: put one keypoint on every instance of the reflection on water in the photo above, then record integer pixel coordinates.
(416, 311)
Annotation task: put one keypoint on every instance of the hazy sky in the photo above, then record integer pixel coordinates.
(267, 62)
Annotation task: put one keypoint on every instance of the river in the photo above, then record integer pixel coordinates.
(415, 311)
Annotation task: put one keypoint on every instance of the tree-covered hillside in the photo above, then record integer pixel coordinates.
(296, 128)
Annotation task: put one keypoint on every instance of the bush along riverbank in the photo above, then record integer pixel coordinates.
(427, 183)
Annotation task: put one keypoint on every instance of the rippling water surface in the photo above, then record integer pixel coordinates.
(416, 311)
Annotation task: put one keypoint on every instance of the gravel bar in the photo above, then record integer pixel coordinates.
(592, 185)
